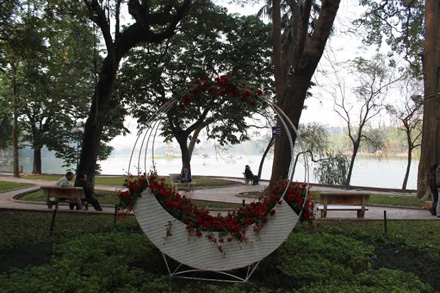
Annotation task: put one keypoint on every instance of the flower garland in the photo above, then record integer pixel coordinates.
(200, 222)
(223, 86)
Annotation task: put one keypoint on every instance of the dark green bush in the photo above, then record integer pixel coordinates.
(338, 288)
(322, 258)
(382, 280)
(88, 254)
(393, 281)
(90, 263)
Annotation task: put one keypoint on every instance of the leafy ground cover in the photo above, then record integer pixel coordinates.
(88, 253)
(5, 186)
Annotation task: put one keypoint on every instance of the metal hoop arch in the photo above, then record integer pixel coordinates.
(153, 123)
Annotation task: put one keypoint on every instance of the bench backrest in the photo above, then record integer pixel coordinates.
(174, 177)
(353, 198)
(63, 192)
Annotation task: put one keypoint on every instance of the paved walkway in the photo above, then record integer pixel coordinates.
(233, 194)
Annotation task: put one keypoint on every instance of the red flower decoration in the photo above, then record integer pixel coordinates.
(199, 221)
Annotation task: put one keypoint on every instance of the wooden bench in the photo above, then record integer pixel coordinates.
(343, 201)
(176, 184)
(247, 180)
(71, 194)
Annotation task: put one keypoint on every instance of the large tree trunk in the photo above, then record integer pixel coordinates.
(292, 103)
(193, 141)
(430, 150)
(294, 87)
(137, 33)
(16, 170)
(36, 169)
(186, 156)
(95, 122)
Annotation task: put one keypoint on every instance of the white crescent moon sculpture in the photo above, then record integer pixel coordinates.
(199, 252)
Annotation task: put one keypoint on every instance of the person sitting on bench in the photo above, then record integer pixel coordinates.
(64, 182)
(88, 193)
(185, 175)
(249, 175)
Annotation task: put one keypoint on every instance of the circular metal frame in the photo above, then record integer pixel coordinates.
(147, 137)
(151, 216)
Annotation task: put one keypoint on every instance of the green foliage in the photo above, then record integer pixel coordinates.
(5, 186)
(332, 170)
(5, 131)
(90, 263)
(87, 254)
(223, 44)
(393, 281)
(314, 138)
(399, 24)
(314, 141)
(382, 280)
(318, 258)
(111, 197)
(396, 200)
(53, 48)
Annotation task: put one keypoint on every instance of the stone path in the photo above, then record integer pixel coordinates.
(231, 194)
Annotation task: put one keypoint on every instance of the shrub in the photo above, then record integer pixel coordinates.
(337, 288)
(320, 258)
(382, 280)
(393, 281)
(90, 263)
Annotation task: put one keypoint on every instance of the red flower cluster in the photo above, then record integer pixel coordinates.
(296, 197)
(133, 189)
(199, 221)
(222, 86)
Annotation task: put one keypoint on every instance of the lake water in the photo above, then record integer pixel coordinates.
(387, 173)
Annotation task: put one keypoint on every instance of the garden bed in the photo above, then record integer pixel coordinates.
(98, 256)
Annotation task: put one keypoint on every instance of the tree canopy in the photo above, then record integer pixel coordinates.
(223, 44)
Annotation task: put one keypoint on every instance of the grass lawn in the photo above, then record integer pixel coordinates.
(99, 180)
(202, 182)
(87, 253)
(404, 200)
(5, 186)
(109, 197)
(396, 200)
